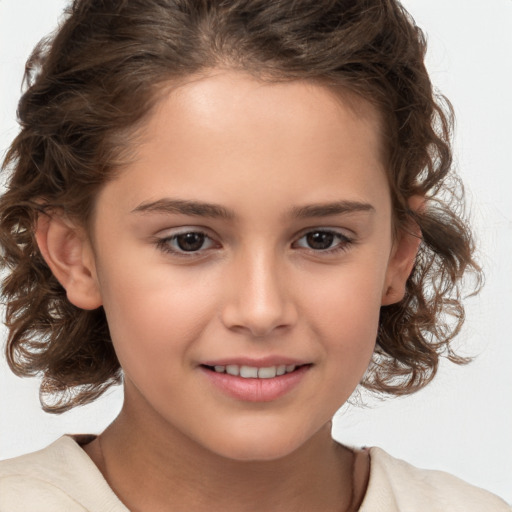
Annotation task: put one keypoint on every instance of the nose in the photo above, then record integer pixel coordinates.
(258, 297)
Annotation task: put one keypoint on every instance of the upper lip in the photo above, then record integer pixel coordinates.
(263, 362)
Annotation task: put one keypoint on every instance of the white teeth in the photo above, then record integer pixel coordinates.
(252, 372)
(267, 373)
(233, 369)
(248, 372)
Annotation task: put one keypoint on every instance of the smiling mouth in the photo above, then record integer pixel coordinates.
(253, 372)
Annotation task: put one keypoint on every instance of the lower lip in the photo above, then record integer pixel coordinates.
(256, 390)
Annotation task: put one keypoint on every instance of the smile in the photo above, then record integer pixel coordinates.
(253, 372)
(255, 383)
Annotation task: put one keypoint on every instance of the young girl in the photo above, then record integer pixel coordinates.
(242, 210)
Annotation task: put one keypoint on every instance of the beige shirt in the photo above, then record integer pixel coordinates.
(62, 478)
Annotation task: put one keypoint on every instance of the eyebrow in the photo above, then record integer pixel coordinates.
(183, 207)
(202, 209)
(328, 209)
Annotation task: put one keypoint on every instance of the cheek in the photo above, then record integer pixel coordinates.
(347, 300)
(153, 316)
(344, 311)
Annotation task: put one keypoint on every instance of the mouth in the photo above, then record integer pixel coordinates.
(265, 382)
(255, 372)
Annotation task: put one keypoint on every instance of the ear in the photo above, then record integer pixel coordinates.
(68, 253)
(402, 258)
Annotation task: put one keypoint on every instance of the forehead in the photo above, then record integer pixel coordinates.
(224, 98)
(216, 137)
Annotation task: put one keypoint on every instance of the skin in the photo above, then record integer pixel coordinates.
(255, 289)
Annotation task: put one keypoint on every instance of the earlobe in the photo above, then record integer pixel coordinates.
(401, 264)
(68, 253)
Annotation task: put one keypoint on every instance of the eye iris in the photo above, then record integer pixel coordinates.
(190, 241)
(320, 240)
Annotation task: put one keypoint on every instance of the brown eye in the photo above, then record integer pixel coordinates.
(323, 240)
(190, 242)
(320, 240)
(186, 243)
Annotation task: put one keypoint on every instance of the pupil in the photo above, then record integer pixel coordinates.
(190, 241)
(320, 240)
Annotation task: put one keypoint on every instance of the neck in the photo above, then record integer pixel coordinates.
(160, 469)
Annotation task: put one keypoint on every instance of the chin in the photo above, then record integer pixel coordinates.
(253, 445)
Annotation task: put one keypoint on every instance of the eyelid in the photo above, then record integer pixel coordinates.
(343, 232)
(181, 230)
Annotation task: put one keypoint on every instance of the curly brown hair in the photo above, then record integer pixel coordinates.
(93, 83)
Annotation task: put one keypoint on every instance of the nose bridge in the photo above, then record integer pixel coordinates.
(259, 299)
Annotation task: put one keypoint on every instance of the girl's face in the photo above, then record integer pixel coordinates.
(251, 235)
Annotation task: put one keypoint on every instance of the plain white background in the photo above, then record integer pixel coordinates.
(462, 423)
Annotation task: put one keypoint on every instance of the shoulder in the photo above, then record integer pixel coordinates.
(397, 486)
(58, 478)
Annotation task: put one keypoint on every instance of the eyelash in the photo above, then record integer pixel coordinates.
(164, 244)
